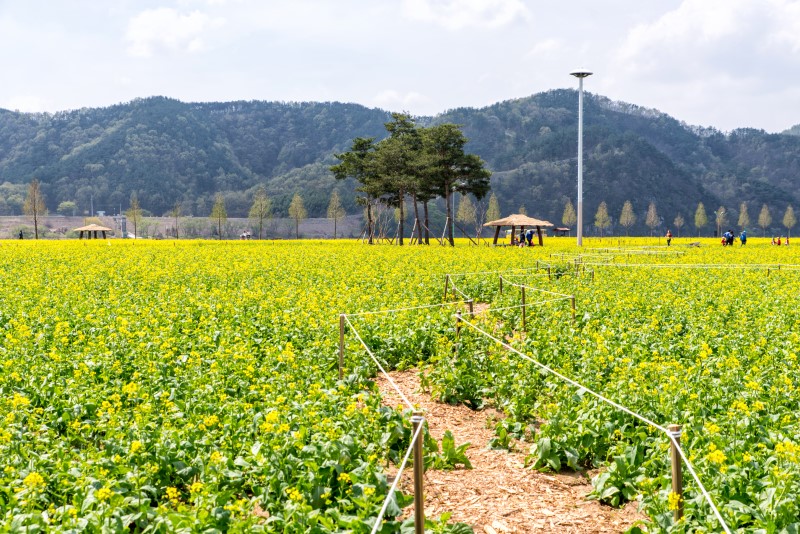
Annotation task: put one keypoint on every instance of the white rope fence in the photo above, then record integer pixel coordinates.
(371, 355)
(617, 406)
(389, 496)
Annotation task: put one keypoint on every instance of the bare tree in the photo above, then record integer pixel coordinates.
(335, 210)
(679, 222)
(175, 213)
(652, 220)
(569, 217)
(34, 205)
(134, 213)
(627, 218)
(700, 218)
(297, 211)
(789, 220)
(261, 209)
(764, 219)
(744, 217)
(601, 218)
(218, 213)
(466, 214)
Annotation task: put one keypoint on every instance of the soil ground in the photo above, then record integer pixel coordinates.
(500, 495)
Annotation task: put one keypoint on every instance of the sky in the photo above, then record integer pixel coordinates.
(715, 63)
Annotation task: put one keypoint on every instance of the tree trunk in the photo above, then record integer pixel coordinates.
(400, 223)
(334, 227)
(369, 220)
(417, 220)
(427, 223)
(448, 199)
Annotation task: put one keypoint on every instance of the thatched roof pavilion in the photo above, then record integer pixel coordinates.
(519, 220)
(92, 228)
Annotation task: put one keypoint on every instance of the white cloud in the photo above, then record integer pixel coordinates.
(545, 47)
(394, 100)
(460, 14)
(708, 36)
(165, 29)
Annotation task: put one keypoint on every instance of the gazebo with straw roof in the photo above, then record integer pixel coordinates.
(92, 229)
(521, 221)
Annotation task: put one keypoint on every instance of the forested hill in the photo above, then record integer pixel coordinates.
(168, 151)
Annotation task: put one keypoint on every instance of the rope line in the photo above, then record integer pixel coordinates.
(379, 312)
(389, 378)
(617, 406)
(527, 304)
(379, 519)
(746, 266)
(542, 290)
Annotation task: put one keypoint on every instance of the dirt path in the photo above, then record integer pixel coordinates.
(499, 495)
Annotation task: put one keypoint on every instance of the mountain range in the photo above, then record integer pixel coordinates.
(171, 152)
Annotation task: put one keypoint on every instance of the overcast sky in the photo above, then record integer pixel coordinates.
(720, 63)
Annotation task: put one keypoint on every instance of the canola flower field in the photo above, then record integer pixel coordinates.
(193, 386)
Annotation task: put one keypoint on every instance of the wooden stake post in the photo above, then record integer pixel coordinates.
(677, 471)
(341, 346)
(523, 306)
(419, 473)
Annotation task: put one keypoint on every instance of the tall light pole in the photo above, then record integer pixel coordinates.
(580, 74)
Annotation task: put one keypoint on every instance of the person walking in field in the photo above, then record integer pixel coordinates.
(669, 237)
(743, 237)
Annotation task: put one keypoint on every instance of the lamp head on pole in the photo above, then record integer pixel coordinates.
(581, 73)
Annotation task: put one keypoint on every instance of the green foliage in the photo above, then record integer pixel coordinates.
(506, 430)
(617, 484)
(450, 456)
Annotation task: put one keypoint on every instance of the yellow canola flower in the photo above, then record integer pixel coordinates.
(34, 481)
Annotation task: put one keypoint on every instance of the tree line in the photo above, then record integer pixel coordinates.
(721, 218)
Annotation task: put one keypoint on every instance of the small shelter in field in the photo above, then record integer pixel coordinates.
(519, 221)
(560, 232)
(92, 229)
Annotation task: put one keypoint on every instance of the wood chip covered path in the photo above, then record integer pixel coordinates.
(499, 495)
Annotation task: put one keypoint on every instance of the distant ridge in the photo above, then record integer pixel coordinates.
(169, 151)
